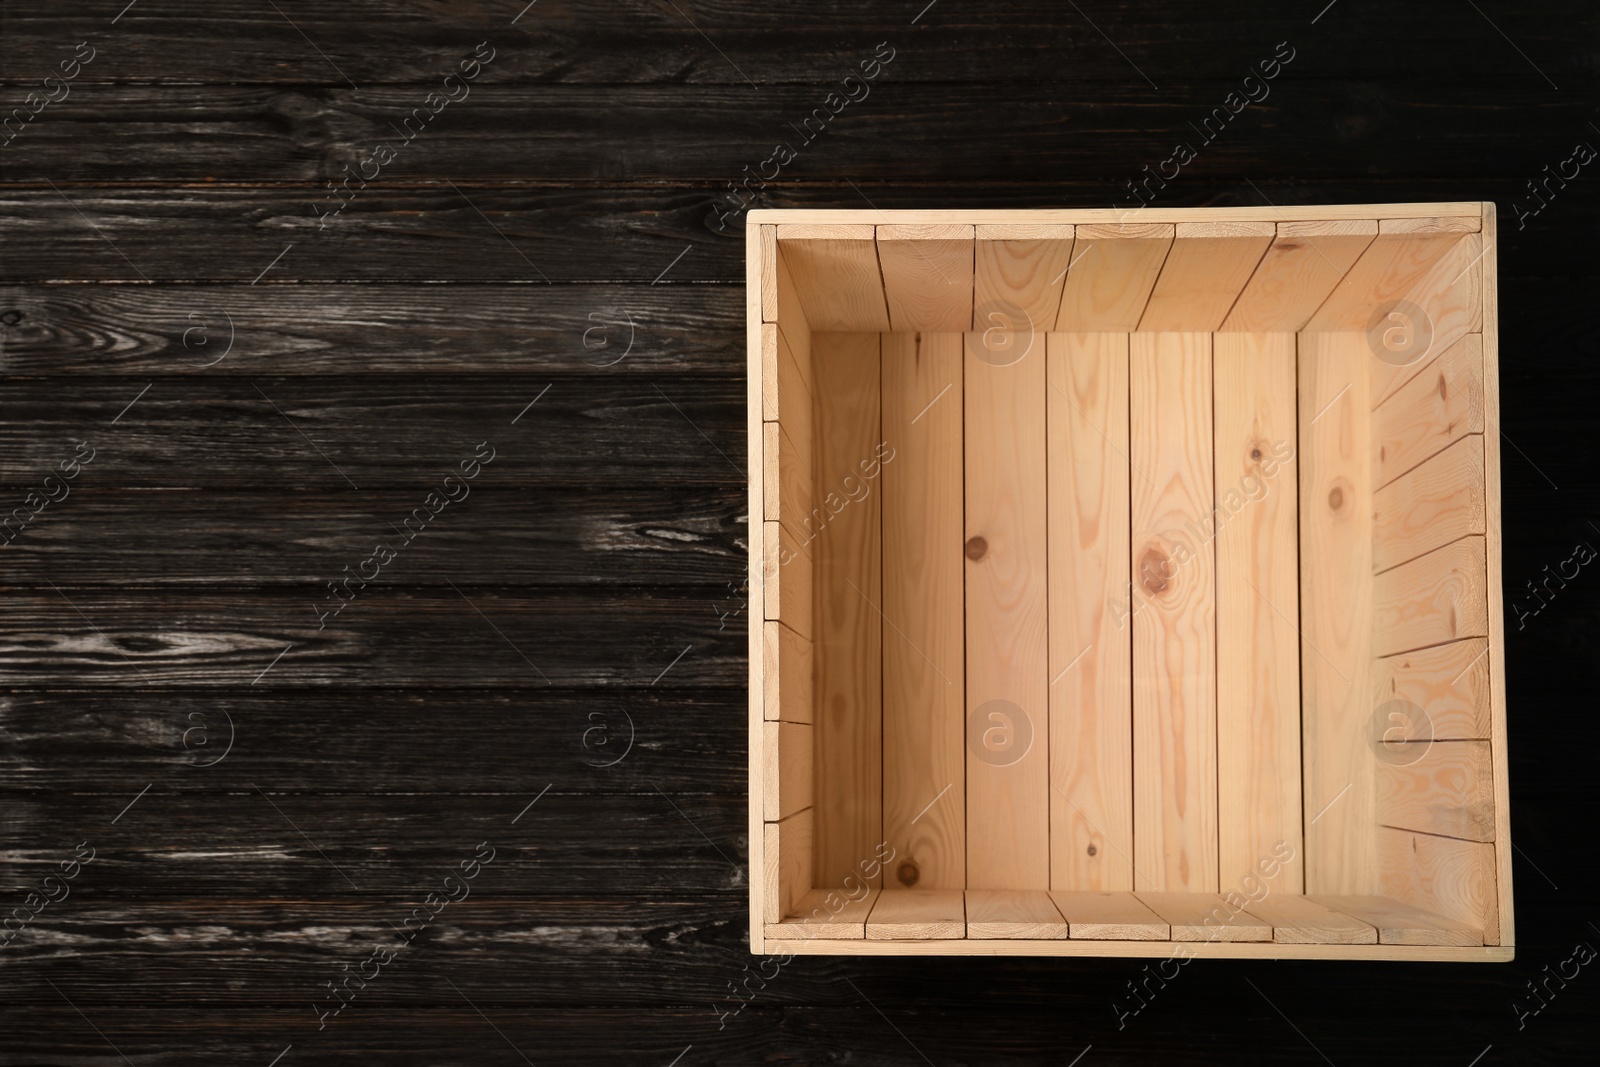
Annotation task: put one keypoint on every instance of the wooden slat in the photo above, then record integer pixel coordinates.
(1489, 273)
(909, 914)
(1174, 627)
(790, 495)
(1431, 224)
(782, 380)
(787, 576)
(1021, 913)
(1438, 501)
(1467, 210)
(1452, 877)
(1390, 268)
(1023, 266)
(1091, 699)
(792, 323)
(1304, 263)
(826, 914)
(1298, 920)
(923, 636)
(1008, 810)
(787, 678)
(836, 277)
(1258, 602)
(1399, 923)
(1450, 296)
(848, 591)
(1438, 407)
(788, 868)
(769, 274)
(927, 276)
(1444, 788)
(1450, 683)
(786, 785)
(764, 899)
(1114, 268)
(1110, 917)
(1205, 917)
(1204, 273)
(1336, 611)
(1436, 598)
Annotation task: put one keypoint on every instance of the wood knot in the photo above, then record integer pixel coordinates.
(1155, 570)
(1093, 851)
(1255, 454)
(1336, 498)
(908, 874)
(976, 548)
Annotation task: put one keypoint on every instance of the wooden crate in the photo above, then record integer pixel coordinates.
(1127, 585)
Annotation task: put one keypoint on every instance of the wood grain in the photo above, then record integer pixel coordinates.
(1298, 920)
(1007, 697)
(1091, 702)
(1449, 682)
(1336, 600)
(1433, 599)
(1444, 788)
(1399, 923)
(1205, 917)
(1438, 407)
(1301, 267)
(837, 279)
(1204, 274)
(1110, 917)
(1174, 628)
(1257, 558)
(1013, 913)
(1436, 502)
(911, 914)
(1114, 269)
(1024, 267)
(848, 594)
(1454, 878)
(927, 276)
(924, 654)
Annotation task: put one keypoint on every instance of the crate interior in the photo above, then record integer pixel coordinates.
(1129, 582)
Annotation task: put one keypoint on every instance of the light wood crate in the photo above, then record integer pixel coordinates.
(1127, 585)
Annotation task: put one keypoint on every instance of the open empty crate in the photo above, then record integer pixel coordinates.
(1127, 586)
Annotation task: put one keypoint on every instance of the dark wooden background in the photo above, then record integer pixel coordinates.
(584, 594)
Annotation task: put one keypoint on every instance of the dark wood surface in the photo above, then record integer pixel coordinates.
(571, 631)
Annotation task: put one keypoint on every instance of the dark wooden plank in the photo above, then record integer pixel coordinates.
(606, 536)
(634, 41)
(473, 637)
(244, 844)
(266, 431)
(667, 737)
(843, 1028)
(709, 132)
(320, 330)
(428, 231)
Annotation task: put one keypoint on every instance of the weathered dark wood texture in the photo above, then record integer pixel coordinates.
(567, 234)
